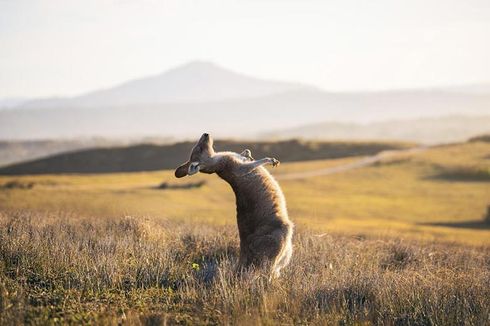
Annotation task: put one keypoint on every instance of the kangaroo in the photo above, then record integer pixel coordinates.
(264, 227)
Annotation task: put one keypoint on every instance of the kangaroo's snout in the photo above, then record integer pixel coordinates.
(200, 153)
(204, 137)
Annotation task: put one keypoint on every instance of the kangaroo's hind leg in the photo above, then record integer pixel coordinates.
(283, 259)
(264, 250)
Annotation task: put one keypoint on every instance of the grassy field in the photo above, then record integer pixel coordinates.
(400, 242)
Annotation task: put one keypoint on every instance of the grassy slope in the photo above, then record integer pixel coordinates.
(68, 254)
(401, 197)
(148, 157)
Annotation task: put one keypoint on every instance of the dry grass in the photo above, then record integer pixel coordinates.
(404, 197)
(400, 245)
(68, 268)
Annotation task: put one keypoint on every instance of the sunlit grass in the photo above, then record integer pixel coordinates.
(402, 196)
(65, 268)
(392, 243)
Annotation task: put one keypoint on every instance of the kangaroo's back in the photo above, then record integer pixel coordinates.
(263, 222)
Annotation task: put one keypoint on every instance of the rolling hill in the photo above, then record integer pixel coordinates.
(157, 157)
(426, 130)
(19, 151)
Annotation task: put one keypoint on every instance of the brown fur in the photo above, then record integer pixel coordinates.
(264, 227)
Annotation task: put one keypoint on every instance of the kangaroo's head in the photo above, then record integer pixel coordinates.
(201, 159)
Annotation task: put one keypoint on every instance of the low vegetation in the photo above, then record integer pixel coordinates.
(486, 217)
(481, 138)
(464, 173)
(14, 184)
(190, 185)
(68, 268)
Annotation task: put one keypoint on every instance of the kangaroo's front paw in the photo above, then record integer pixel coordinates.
(275, 162)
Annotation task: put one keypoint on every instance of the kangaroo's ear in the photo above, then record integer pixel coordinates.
(193, 168)
(182, 170)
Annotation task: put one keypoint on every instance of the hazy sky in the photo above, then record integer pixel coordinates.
(63, 47)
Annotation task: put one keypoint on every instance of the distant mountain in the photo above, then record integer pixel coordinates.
(158, 157)
(200, 96)
(236, 118)
(194, 82)
(477, 89)
(428, 130)
(11, 102)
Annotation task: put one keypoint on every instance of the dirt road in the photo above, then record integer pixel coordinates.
(366, 161)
